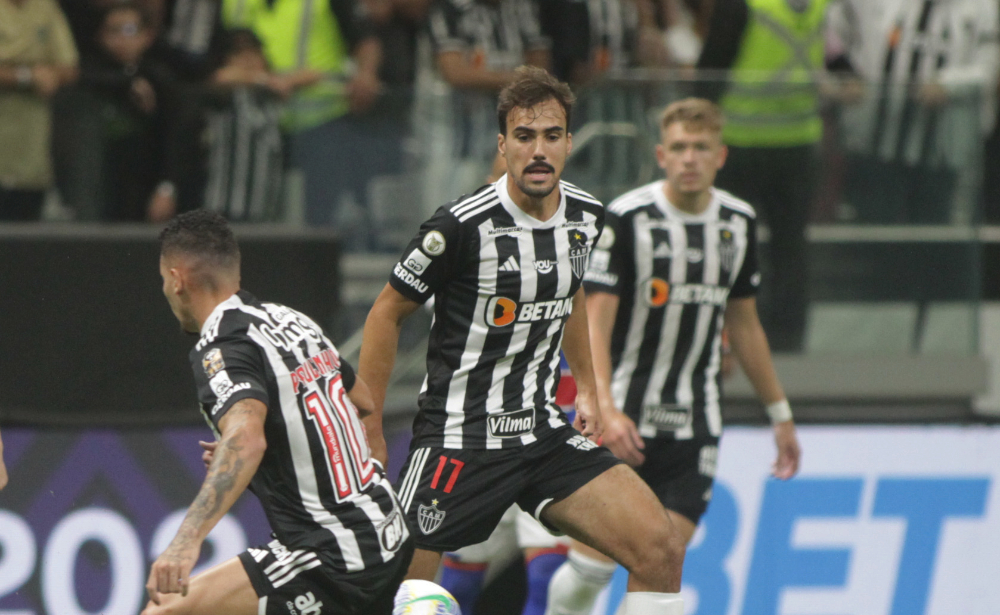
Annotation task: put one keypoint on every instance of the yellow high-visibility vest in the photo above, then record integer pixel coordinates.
(299, 34)
(773, 95)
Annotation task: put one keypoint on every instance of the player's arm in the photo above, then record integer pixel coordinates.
(620, 433)
(749, 344)
(3, 468)
(378, 355)
(234, 462)
(576, 347)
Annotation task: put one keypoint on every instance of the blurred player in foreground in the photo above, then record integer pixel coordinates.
(505, 266)
(676, 262)
(286, 412)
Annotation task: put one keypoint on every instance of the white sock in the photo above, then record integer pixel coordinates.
(652, 603)
(575, 585)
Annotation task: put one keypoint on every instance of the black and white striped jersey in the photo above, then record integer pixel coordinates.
(503, 285)
(318, 484)
(673, 273)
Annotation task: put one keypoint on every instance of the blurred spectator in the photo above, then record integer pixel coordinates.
(477, 45)
(37, 57)
(243, 132)
(318, 39)
(932, 68)
(191, 33)
(126, 104)
(774, 52)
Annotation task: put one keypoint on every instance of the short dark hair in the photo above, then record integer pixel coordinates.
(532, 86)
(202, 234)
(238, 40)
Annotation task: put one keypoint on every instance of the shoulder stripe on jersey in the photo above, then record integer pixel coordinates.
(640, 197)
(473, 202)
(478, 210)
(732, 202)
(581, 195)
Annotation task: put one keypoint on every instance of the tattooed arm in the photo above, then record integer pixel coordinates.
(234, 462)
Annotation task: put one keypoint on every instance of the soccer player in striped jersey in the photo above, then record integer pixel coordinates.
(505, 267)
(286, 411)
(677, 261)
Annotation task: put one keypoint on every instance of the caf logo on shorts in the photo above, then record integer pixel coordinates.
(579, 249)
(434, 243)
(392, 531)
(429, 518)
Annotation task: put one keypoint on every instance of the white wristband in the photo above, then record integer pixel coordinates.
(779, 411)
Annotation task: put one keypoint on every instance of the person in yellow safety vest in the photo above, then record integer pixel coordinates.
(331, 58)
(773, 51)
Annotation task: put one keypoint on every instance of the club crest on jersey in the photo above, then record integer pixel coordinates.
(727, 250)
(429, 518)
(213, 362)
(511, 424)
(433, 243)
(579, 249)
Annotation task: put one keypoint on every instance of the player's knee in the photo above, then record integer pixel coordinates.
(661, 557)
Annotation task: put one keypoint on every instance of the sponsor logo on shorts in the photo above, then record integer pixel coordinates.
(212, 362)
(666, 417)
(429, 518)
(511, 424)
(433, 243)
(305, 604)
(581, 443)
(501, 311)
(409, 279)
(392, 531)
(417, 262)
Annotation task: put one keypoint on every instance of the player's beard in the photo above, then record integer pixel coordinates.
(533, 191)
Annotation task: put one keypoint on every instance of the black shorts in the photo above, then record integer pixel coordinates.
(681, 472)
(307, 588)
(455, 497)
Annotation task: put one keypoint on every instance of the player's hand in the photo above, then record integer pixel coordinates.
(143, 95)
(209, 450)
(789, 453)
(622, 437)
(171, 571)
(362, 91)
(45, 80)
(588, 416)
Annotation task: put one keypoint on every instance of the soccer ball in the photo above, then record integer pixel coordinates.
(417, 597)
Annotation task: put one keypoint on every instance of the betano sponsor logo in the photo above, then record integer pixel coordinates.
(501, 311)
(409, 279)
(659, 292)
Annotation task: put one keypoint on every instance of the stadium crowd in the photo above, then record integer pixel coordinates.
(134, 110)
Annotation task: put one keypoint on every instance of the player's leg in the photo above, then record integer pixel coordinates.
(618, 514)
(465, 572)
(222, 590)
(543, 554)
(575, 585)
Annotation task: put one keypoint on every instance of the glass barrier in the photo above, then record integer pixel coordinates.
(889, 187)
